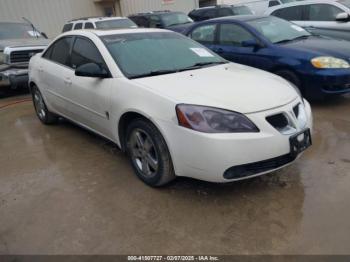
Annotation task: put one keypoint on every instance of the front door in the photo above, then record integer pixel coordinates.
(89, 97)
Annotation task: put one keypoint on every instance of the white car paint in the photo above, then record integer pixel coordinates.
(204, 156)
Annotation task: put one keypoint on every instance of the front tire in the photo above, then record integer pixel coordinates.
(44, 115)
(148, 153)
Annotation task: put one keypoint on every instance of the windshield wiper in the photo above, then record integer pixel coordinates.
(201, 65)
(293, 39)
(153, 73)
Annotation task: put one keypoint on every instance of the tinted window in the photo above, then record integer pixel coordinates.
(204, 34)
(140, 21)
(84, 52)
(78, 26)
(59, 51)
(89, 26)
(294, 13)
(209, 14)
(154, 21)
(323, 12)
(231, 34)
(142, 53)
(273, 3)
(67, 27)
(224, 12)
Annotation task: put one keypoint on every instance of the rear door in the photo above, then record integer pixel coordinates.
(55, 73)
(295, 14)
(321, 19)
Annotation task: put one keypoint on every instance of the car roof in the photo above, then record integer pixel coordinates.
(298, 3)
(155, 13)
(96, 19)
(106, 32)
(242, 18)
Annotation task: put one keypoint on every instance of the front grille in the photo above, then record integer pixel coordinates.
(23, 56)
(257, 167)
(279, 121)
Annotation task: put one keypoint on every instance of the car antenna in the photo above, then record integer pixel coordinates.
(35, 31)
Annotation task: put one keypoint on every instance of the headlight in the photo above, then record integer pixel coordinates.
(213, 120)
(329, 62)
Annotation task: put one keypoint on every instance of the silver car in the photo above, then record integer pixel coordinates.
(322, 17)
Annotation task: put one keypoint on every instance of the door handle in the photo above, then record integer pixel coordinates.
(41, 69)
(68, 81)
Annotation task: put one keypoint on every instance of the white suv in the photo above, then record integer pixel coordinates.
(99, 23)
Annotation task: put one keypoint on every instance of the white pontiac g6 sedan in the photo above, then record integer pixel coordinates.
(174, 106)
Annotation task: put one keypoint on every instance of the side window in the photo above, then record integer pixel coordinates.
(323, 12)
(84, 52)
(140, 21)
(204, 34)
(294, 13)
(67, 27)
(231, 34)
(78, 26)
(224, 12)
(89, 25)
(209, 14)
(59, 52)
(154, 21)
(273, 3)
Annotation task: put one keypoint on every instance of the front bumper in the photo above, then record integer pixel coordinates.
(327, 81)
(208, 156)
(14, 77)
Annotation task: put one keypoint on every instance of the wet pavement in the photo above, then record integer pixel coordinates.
(64, 190)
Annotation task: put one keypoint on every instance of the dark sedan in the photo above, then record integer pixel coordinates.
(316, 65)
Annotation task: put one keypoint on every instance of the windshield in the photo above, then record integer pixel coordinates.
(17, 31)
(140, 54)
(115, 24)
(345, 2)
(242, 10)
(278, 30)
(175, 19)
(287, 1)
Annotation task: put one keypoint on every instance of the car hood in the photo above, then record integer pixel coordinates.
(23, 42)
(231, 86)
(179, 28)
(321, 46)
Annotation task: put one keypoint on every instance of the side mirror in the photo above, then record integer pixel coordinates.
(251, 43)
(342, 17)
(91, 70)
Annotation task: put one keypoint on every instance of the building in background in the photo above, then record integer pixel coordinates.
(49, 16)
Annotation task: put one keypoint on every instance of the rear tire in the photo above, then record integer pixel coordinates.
(148, 153)
(44, 115)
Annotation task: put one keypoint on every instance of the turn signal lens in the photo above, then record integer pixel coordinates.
(213, 120)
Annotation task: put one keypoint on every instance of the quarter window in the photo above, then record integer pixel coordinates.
(231, 34)
(78, 26)
(67, 27)
(204, 34)
(59, 51)
(323, 12)
(273, 3)
(84, 52)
